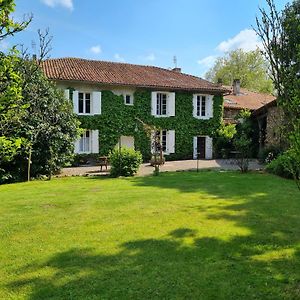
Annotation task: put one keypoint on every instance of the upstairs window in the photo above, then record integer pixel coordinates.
(84, 103)
(85, 142)
(128, 99)
(161, 104)
(201, 106)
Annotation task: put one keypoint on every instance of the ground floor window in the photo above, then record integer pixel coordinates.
(161, 140)
(85, 142)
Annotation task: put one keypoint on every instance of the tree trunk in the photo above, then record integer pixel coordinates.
(29, 164)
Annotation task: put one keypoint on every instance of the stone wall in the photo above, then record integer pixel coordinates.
(274, 131)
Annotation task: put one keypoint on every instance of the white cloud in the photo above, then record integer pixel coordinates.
(96, 49)
(246, 40)
(64, 3)
(208, 61)
(118, 57)
(150, 57)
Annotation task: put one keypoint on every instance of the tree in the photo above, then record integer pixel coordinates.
(250, 67)
(280, 35)
(11, 108)
(7, 24)
(37, 123)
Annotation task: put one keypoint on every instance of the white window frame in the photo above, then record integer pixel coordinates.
(131, 98)
(83, 139)
(199, 108)
(159, 106)
(84, 103)
(167, 142)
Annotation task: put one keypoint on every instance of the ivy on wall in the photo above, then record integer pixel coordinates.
(118, 119)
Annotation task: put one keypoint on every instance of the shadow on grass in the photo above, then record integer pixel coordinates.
(185, 265)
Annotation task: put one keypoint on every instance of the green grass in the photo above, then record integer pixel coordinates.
(207, 235)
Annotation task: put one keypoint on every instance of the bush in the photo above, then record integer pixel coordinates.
(285, 165)
(268, 154)
(125, 162)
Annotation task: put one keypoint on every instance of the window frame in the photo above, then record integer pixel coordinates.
(163, 138)
(84, 102)
(131, 98)
(83, 139)
(160, 105)
(201, 106)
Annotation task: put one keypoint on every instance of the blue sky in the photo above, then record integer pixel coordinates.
(147, 32)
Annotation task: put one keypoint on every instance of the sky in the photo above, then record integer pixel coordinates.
(148, 32)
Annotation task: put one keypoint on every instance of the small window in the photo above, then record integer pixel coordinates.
(84, 103)
(161, 104)
(128, 99)
(85, 142)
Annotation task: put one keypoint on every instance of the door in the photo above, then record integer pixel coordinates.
(201, 145)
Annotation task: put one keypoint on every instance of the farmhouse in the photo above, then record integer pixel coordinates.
(110, 98)
(241, 98)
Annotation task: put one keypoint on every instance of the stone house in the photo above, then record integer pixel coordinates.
(240, 98)
(109, 99)
(270, 119)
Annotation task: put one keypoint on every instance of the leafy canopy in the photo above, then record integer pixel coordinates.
(250, 67)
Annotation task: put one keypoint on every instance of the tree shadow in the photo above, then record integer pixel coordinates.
(165, 269)
(184, 264)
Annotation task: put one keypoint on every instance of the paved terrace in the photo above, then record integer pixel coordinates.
(169, 166)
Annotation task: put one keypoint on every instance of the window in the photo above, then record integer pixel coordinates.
(161, 104)
(85, 142)
(128, 99)
(161, 137)
(84, 103)
(201, 106)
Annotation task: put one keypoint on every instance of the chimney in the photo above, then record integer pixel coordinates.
(236, 87)
(178, 70)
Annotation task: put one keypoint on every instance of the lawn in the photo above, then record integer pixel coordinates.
(207, 235)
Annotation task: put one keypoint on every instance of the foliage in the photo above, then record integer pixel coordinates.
(46, 124)
(124, 162)
(269, 153)
(8, 26)
(242, 140)
(280, 35)
(223, 141)
(51, 125)
(183, 235)
(119, 119)
(285, 165)
(249, 67)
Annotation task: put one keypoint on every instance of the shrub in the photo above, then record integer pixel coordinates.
(269, 153)
(285, 165)
(125, 162)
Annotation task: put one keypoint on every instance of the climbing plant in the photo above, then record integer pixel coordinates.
(119, 119)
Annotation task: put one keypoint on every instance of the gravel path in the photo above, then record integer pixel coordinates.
(169, 166)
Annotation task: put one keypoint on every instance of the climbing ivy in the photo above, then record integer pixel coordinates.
(118, 119)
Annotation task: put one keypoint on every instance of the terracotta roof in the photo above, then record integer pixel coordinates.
(112, 73)
(265, 107)
(247, 99)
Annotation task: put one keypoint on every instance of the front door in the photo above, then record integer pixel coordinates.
(201, 147)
